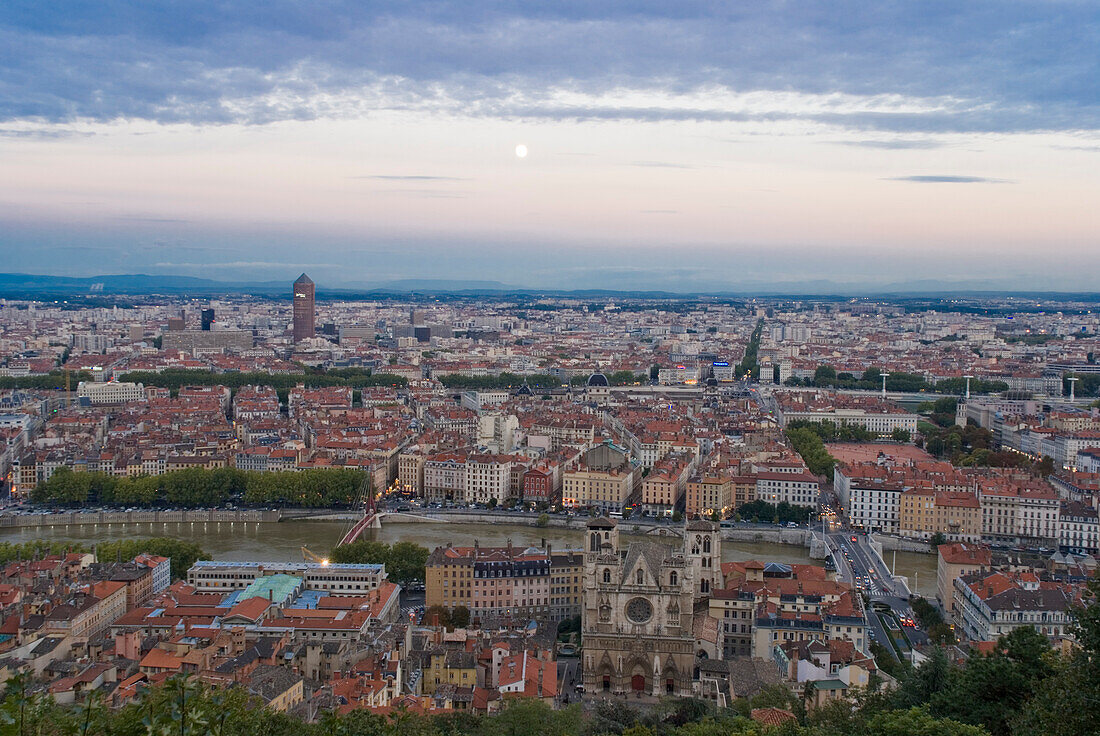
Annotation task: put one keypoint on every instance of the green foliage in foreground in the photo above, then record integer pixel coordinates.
(185, 707)
(1022, 688)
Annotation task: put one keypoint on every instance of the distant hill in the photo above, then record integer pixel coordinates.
(38, 286)
(407, 285)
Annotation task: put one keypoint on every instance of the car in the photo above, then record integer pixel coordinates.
(854, 539)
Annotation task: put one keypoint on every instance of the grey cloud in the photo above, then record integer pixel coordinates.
(43, 134)
(660, 212)
(1007, 67)
(157, 220)
(661, 165)
(1086, 149)
(944, 179)
(896, 144)
(425, 193)
(387, 177)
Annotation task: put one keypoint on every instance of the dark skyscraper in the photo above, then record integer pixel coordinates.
(303, 308)
(207, 319)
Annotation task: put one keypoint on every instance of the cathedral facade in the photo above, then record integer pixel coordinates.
(638, 619)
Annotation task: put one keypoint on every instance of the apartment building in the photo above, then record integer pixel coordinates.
(925, 512)
(1018, 514)
(606, 479)
(110, 392)
(709, 493)
(797, 489)
(989, 605)
(509, 582)
(953, 561)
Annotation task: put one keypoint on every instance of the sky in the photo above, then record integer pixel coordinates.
(686, 146)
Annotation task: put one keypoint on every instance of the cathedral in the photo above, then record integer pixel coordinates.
(639, 614)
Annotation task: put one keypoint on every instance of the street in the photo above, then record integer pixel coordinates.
(860, 567)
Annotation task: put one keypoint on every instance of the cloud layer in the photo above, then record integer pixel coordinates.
(894, 66)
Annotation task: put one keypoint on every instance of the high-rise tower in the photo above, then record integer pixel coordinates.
(304, 314)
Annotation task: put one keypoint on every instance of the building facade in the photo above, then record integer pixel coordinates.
(639, 617)
(304, 308)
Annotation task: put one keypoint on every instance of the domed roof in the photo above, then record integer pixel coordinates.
(598, 379)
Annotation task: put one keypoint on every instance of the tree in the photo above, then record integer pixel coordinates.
(543, 520)
(460, 617)
(1045, 466)
(183, 554)
(405, 561)
(1065, 702)
(937, 539)
(900, 435)
(918, 722)
(807, 443)
(437, 616)
(824, 375)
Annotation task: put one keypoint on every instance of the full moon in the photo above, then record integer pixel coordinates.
(521, 151)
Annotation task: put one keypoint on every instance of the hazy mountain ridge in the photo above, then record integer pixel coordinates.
(30, 285)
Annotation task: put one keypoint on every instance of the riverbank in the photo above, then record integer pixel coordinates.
(768, 533)
(742, 532)
(147, 516)
(231, 540)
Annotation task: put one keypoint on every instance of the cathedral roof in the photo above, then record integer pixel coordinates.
(652, 553)
(601, 522)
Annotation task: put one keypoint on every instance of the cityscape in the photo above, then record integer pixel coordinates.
(561, 369)
(443, 504)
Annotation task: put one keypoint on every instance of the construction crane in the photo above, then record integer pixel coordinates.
(310, 556)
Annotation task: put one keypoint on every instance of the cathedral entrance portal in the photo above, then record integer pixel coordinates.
(637, 683)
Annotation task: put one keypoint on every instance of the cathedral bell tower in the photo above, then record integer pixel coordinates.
(703, 550)
(601, 538)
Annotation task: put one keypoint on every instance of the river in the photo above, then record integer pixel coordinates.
(284, 540)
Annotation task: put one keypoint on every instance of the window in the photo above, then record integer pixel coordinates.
(672, 578)
(640, 577)
(607, 576)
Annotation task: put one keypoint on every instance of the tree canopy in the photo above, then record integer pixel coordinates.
(203, 488)
(404, 561)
